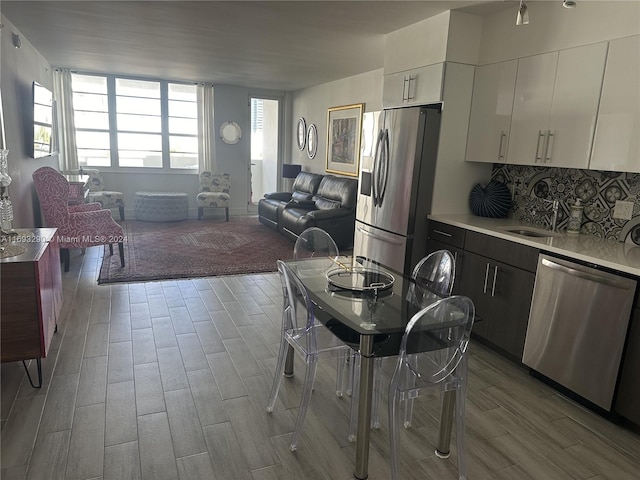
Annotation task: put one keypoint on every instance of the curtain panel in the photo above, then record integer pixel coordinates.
(206, 129)
(63, 94)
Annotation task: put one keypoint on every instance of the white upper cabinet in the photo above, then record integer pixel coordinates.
(616, 145)
(531, 106)
(419, 86)
(491, 106)
(555, 107)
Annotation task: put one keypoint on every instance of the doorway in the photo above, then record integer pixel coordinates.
(265, 141)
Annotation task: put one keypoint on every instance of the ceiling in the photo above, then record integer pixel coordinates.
(284, 45)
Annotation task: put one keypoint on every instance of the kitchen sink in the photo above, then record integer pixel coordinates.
(530, 232)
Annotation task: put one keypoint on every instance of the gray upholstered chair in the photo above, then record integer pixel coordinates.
(214, 192)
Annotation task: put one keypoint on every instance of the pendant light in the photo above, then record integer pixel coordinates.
(523, 14)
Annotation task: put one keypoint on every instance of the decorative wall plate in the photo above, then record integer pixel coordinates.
(302, 133)
(312, 140)
(230, 132)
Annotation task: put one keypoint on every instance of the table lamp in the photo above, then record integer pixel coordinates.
(290, 170)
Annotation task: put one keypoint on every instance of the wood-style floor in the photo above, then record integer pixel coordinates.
(169, 380)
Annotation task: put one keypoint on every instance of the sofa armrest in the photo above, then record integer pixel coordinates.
(303, 204)
(320, 215)
(282, 196)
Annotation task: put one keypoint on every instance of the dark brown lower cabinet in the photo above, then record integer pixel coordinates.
(501, 294)
(458, 253)
(627, 401)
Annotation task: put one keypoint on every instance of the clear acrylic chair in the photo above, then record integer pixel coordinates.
(433, 353)
(305, 335)
(433, 278)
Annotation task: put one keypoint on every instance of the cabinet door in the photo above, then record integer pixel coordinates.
(474, 283)
(420, 86)
(394, 90)
(491, 106)
(576, 95)
(531, 107)
(511, 290)
(617, 139)
(458, 254)
(628, 396)
(425, 85)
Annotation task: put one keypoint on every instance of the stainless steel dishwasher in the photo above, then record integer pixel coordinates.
(577, 327)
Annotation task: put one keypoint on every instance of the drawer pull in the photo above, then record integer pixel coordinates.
(486, 278)
(493, 287)
(440, 232)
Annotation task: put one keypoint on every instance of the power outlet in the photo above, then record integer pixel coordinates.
(623, 210)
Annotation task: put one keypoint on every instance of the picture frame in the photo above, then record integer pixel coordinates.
(344, 128)
(302, 133)
(312, 141)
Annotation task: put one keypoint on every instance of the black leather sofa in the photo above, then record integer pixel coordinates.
(323, 201)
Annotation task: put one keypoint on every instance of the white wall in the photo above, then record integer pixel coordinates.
(19, 68)
(553, 27)
(313, 103)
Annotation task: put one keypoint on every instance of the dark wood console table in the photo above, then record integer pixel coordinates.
(31, 293)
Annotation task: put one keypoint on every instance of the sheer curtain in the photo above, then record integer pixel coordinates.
(206, 129)
(62, 92)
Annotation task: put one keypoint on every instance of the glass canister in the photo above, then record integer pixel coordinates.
(6, 209)
(575, 217)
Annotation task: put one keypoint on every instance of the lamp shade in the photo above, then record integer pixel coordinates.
(290, 170)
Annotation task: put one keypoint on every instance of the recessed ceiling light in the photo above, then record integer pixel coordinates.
(569, 4)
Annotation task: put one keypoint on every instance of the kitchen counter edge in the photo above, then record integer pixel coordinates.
(618, 256)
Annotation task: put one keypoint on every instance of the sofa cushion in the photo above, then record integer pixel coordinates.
(307, 182)
(342, 190)
(301, 197)
(324, 204)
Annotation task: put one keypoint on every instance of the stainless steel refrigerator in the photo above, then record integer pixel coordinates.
(397, 168)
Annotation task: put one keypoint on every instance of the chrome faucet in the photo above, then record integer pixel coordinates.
(555, 206)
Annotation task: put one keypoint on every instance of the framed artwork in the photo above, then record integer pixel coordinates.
(312, 141)
(344, 127)
(302, 133)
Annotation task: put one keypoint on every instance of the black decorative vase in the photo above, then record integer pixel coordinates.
(492, 201)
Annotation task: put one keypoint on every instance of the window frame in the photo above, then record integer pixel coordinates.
(164, 126)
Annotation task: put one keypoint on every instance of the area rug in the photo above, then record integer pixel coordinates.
(192, 248)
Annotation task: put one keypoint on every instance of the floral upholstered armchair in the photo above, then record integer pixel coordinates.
(106, 198)
(78, 226)
(214, 192)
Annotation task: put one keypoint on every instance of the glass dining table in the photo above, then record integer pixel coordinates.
(367, 305)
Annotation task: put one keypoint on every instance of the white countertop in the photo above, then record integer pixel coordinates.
(588, 248)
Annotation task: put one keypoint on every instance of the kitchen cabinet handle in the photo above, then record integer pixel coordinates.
(405, 90)
(412, 81)
(502, 137)
(540, 136)
(440, 232)
(486, 277)
(549, 148)
(495, 275)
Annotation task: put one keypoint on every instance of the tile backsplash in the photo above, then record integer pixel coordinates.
(597, 190)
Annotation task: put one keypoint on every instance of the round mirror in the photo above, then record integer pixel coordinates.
(312, 141)
(230, 132)
(302, 133)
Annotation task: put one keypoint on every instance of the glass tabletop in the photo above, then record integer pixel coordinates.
(350, 313)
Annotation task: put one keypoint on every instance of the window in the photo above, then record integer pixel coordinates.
(123, 122)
